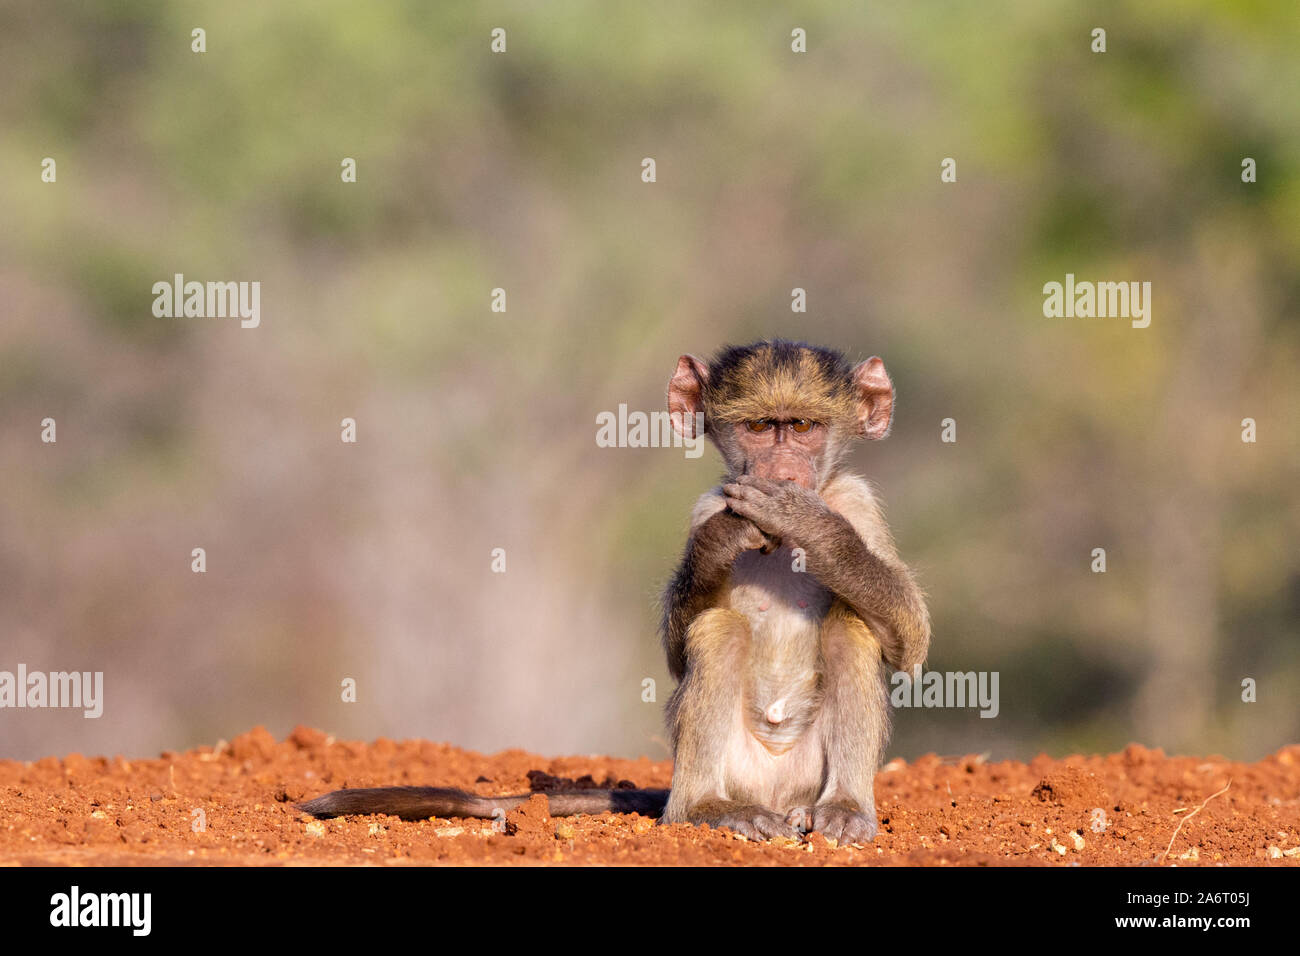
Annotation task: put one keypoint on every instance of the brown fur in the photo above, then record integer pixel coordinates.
(782, 714)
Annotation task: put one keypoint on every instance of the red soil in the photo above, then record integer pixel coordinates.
(1116, 809)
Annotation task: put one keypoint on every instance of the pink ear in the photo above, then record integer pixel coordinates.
(686, 395)
(875, 398)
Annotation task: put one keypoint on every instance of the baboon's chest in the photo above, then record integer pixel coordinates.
(785, 607)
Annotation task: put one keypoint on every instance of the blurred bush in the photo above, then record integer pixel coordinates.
(476, 429)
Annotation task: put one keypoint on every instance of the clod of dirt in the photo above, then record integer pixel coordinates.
(1072, 787)
(308, 738)
(531, 818)
(257, 744)
(1135, 755)
(541, 782)
(1288, 756)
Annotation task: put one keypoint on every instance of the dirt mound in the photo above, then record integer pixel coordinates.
(1072, 787)
(232, 804)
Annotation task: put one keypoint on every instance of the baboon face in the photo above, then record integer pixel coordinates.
(783, 410)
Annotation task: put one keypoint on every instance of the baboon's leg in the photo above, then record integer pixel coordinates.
(854, 728)
(705, 720)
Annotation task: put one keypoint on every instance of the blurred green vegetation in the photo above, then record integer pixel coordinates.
(522, 171)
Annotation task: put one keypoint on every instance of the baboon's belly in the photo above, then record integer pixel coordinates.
(783, 679)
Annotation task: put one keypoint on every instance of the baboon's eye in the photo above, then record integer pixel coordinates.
(760, 425)
(801, 424)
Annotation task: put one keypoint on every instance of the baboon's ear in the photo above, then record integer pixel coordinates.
(686, 395)
(875, 398)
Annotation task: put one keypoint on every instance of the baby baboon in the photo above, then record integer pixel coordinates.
(782, 622)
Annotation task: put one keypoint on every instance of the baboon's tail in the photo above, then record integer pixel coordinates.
(419, 803)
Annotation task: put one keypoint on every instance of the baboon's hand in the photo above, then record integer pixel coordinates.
(779, 508)
(752, 539)
(726, 535)
(836, 821)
